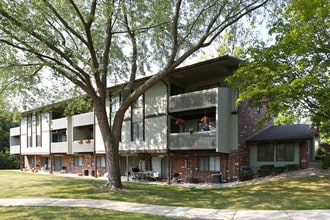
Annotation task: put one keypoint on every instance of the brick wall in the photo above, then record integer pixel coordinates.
(247, 126)
(187, 165)
(303, 155)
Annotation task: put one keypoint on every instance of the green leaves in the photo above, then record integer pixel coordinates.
(293, 73)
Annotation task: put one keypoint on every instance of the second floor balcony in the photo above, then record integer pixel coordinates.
(193, 100)
(59, 147)
(82, 146)
(204, 140)
(15, 149)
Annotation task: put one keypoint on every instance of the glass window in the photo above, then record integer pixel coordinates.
(31, 161)
(214, 163)
(265, 152)
(115, 103)
(203, 163)
(78, 161)
(285, 152)
(59, 136)
(139, 102)
(100, 161)
(209, 163)
(137, 131)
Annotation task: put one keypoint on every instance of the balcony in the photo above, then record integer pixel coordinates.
(60, 123)
(15, 131)
(15, 149)
(81, 146)
(83, 119)
(193, 100)
(59, 147)
(204, 140)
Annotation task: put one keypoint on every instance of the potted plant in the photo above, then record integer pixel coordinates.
(191, 130)
(179, 122)
(205, 120)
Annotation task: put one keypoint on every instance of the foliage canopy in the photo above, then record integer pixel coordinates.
(291, 77)
(92, 43)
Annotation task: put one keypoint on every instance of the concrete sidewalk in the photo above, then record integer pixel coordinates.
(171, 211)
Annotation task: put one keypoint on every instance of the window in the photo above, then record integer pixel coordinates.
(265, 152)
(285, 152)
(38, 130)
(31, 161)
(78, 161)
(209, 163)
(38, 139)
(137, 133)
(115, 103)
(139, 102)
(59, 136)
(100, 161)
(29, 130)
(278, 151)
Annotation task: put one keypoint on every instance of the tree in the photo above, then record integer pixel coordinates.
(93, 41)
(292, 74)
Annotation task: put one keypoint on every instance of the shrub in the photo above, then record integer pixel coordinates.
(8, 161)
(292, 167)
(325, 161)
(279, 170)
(243, 176)
(266, 170)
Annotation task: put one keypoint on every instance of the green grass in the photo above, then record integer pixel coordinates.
(49, 213)
(290, 194)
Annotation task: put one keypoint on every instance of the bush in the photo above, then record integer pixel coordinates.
(8, 161)
(266, 170)
(325, 161)
(292, 167)
(279, 170)
(243, 176)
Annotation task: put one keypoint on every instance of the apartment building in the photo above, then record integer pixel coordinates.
(187, 124)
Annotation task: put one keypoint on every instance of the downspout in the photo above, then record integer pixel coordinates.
(21, 158)
(94, 151)
(50, 144)
(167, 135)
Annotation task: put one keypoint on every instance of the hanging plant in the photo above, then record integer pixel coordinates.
(179, 122)
(205, 120)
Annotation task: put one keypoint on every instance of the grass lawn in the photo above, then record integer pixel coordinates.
(49, 213)
(290, 194)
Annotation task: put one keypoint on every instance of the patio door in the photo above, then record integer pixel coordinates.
(58, 163)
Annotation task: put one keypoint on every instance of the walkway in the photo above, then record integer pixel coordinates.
(171, 211)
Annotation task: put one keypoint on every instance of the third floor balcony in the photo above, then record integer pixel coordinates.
(193, 100)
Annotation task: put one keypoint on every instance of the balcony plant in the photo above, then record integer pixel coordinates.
(80, 141)
(179, 122)
(87, 141)
(191, 130)
(205, 120)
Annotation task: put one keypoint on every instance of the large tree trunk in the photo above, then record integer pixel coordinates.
(111, 144)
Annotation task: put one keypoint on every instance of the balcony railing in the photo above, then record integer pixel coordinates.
(193, 100)
(59, 147)
(195, 141)
(15, 131)
(83, 119)
(80, 146)
(60, 123)
(15, 149)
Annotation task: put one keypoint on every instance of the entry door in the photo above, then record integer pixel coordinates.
(156, 164)
(58, 163)
(164, 168)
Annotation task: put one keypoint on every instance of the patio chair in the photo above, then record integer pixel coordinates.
(135, 173)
